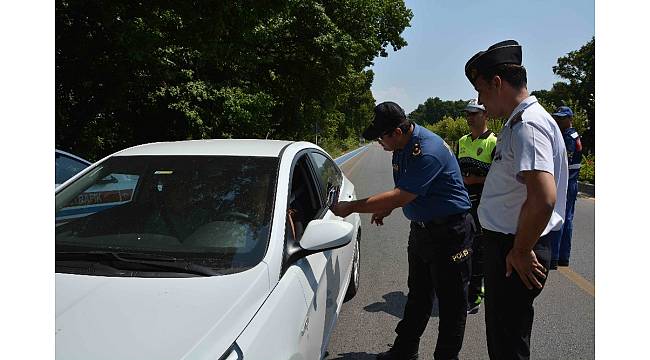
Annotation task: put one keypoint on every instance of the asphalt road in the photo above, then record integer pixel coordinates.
(564, 325)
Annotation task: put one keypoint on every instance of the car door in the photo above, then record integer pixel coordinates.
(331, 188)
(330, 183)
(321, 279)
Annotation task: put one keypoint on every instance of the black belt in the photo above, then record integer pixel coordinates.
(441, 220)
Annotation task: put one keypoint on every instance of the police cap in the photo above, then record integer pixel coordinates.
(388, 116)
(563, 111)
(504, 52)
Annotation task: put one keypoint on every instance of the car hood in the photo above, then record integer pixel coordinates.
(152, 318)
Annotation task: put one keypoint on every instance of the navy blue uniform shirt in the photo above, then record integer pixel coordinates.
(573, 151)
(428, 168)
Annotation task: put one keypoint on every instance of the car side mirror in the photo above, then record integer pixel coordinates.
(321, 235)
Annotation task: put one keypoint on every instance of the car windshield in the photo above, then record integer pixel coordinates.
(214, 211)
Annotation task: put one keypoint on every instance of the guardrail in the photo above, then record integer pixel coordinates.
(349, 155)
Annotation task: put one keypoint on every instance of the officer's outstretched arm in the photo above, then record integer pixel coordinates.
(382, 202)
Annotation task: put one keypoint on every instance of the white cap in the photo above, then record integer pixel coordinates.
(473, 106)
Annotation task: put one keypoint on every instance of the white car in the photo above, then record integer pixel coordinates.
(66, 166)
(218, 249)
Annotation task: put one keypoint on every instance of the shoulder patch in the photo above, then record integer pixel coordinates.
(574, 135)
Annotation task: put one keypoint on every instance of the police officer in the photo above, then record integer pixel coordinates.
(562, 241)
(475, 152)
(523, 199)
(429, 189)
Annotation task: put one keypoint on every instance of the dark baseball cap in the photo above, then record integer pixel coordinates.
(388, 116)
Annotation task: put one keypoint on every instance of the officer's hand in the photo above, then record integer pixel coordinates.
(341, 208)
(378, 218)
(525, 263)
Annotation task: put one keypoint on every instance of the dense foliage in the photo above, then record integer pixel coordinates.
(578, 68)
(588, 169)
(452, 129)
(131, 72)
(434, 110)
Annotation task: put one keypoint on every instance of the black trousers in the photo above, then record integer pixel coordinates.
(509, 309)
(440, 264)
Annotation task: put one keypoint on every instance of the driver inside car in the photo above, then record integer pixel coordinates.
(175, 213)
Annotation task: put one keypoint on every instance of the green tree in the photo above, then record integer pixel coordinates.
(133, 72)
(434, 110)
(578, 68)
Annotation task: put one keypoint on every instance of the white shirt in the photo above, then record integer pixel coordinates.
(529, 140)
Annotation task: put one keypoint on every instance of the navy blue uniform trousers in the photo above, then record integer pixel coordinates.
(433, 272)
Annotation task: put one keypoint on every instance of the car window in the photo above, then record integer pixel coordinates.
(304, 201)
(66, 167)
(214, 208)
(329, 175)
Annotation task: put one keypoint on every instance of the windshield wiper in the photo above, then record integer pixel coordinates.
(158, 261)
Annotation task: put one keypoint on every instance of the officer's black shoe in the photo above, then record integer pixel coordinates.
(397, 355)
(553, 265)
(401, 350)
(563, 263)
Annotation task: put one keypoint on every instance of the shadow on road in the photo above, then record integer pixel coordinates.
(354, 356)
(394, 303)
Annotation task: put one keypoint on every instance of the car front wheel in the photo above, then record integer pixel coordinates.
(353, 287)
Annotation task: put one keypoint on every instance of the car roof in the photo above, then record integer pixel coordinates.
(57, 151)
(235, 147)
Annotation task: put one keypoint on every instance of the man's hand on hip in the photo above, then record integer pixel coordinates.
(525, 263)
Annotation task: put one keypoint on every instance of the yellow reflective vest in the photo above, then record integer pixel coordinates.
(475, 156)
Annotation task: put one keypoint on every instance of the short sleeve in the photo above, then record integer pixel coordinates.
(420, 174)
(532, 148)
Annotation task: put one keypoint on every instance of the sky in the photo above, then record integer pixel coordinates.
(444, 34)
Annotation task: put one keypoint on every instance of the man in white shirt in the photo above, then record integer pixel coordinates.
(523, 198)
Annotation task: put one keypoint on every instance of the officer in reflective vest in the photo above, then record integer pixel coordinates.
(475, 152)
(562, 241)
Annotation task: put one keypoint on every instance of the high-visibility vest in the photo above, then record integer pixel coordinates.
(475, 156)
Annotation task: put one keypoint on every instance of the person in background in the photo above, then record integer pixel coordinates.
(562, 241)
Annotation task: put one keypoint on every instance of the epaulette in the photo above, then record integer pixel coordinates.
(516, 119)
(417, 151)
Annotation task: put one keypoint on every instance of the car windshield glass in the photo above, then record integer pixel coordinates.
(213, 211)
